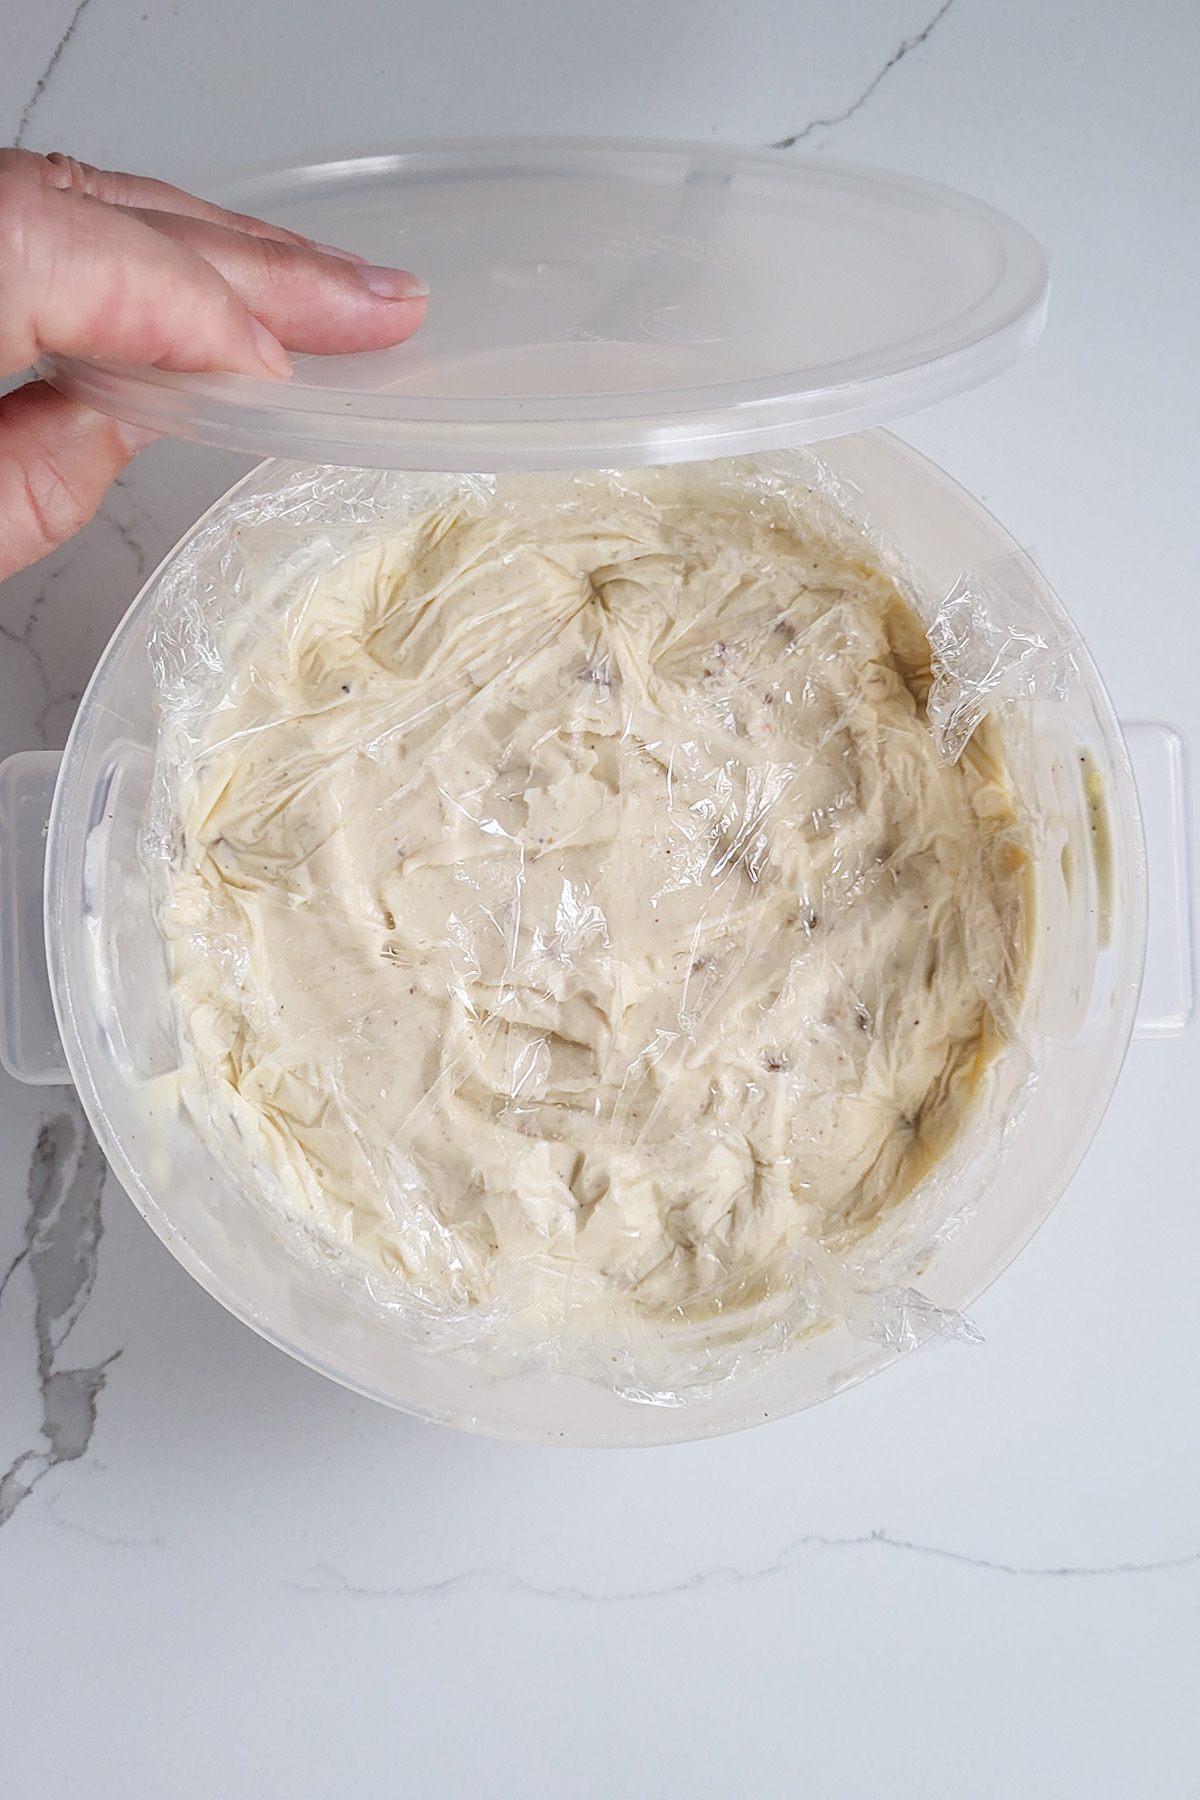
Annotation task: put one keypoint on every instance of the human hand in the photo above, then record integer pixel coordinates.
(134, 271)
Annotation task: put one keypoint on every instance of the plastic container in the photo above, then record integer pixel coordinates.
(108, 983)
(106, 975)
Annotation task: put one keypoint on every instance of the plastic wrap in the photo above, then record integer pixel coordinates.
(992, 648)
(542, 865)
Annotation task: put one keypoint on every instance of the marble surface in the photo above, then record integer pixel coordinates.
(978, 1575)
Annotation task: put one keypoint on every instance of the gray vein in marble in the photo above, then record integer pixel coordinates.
(123, 531)
(63, 1228)
(327, 1580)
(109, 1540)
(23, 640)
(44, 78)
(903, 49)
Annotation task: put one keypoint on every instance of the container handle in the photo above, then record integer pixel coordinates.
(1159, 755)
(30, 1047)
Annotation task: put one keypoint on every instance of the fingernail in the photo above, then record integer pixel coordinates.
(349, 256)
(392, 284)
(135, 437)
(271, 351)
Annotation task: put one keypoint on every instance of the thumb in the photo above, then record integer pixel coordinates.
(57, 458)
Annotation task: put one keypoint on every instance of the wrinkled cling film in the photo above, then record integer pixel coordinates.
(259, 597)
(992, 647)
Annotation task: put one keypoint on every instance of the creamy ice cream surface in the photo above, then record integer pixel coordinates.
(573, 901)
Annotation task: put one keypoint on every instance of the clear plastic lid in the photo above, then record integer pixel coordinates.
(597, 304)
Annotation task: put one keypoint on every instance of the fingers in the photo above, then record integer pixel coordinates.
(133, 271)
(310, 300)
(56, 460)
(90, 280)
(87, 274)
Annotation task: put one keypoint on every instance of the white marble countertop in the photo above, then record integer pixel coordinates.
(978, 1575)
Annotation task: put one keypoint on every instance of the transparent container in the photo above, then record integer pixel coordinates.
(643, 305)
(110, 995)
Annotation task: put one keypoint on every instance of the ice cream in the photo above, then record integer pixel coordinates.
(573, 900)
